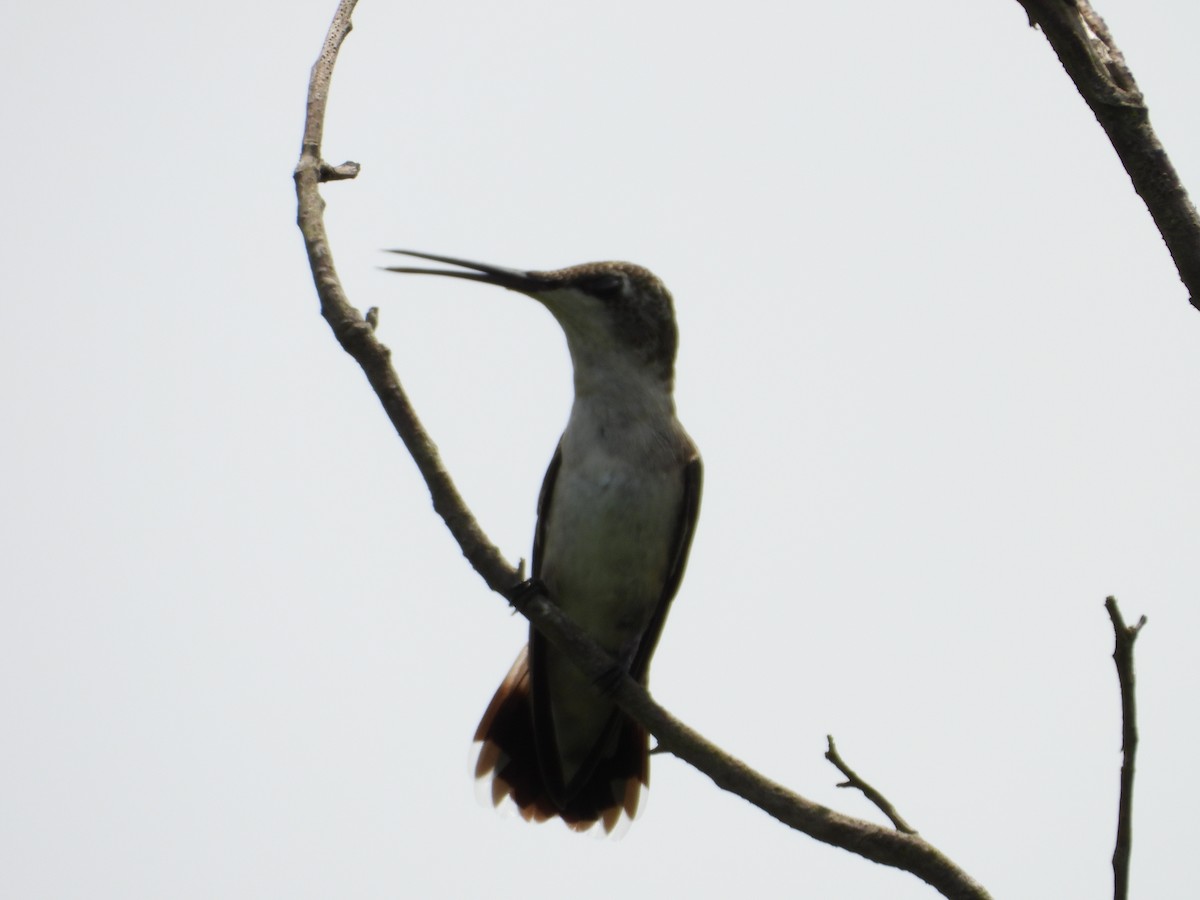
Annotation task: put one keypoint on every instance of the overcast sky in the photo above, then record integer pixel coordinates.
(935, 355)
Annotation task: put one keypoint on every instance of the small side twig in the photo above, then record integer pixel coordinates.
(1123, 657)
(854, 781)
(344, 172)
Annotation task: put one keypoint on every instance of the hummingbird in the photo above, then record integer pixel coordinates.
(615, 520)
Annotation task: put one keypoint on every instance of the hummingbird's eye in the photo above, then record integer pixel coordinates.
(606, 286)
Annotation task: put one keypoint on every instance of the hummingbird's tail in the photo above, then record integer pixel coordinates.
(509, 755)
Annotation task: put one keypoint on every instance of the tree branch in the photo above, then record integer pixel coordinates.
(1094, 63)
(356, 334)
(1123, 657)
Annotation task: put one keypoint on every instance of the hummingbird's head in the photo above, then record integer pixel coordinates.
(613, 313)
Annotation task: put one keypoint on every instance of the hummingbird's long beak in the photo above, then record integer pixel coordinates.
(513, 279)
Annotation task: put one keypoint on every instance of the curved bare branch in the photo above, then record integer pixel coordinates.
(356, 334)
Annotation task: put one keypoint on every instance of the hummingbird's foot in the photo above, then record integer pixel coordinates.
(520, 594)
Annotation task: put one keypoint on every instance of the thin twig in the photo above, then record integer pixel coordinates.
(1095, 64)
(357, 337)
(853, 781)
(1123, 657)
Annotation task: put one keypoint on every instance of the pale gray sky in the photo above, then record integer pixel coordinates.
(933, 350)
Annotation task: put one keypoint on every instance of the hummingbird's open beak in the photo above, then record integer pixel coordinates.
(513, 279)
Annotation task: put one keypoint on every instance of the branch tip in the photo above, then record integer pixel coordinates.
(1124, 638)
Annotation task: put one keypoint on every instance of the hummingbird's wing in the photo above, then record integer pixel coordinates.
(693, 482)
(545, 495)
(508, 751)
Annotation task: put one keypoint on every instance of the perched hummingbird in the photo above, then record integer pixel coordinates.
(616, 515)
